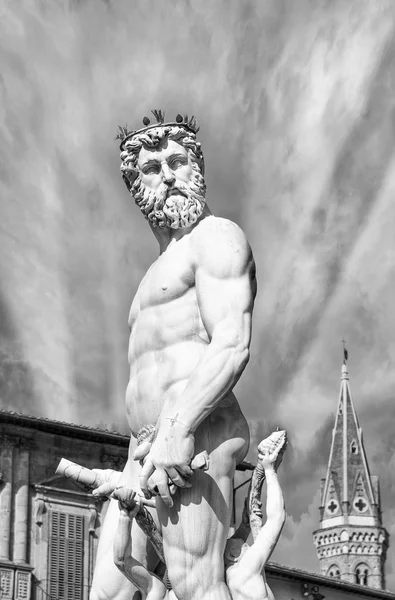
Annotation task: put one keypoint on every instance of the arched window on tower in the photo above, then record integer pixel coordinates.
(362, 574)
(334, 572)
(344, 536)
(354, 447)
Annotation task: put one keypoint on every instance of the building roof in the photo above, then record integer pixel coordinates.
(280, 571)
(68, 429)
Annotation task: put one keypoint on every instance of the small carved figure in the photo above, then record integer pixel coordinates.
(244, 564)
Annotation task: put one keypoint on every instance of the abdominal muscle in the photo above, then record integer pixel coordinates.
(167, 341)
(159, 377)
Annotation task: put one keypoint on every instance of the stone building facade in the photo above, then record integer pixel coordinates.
(49, 528)
(351, 541)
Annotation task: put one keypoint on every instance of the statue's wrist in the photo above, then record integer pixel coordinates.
(173, 422)
(270, 471)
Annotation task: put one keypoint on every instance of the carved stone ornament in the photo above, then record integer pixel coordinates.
(8, 441)
(39, 506)
(24, 443)
(115, 462)
(92, 518)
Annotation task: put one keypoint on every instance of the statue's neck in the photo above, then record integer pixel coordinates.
(166, 235)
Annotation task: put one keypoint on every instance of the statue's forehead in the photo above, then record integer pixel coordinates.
(165, 149)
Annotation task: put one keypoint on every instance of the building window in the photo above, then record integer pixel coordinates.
(354, 447)
(361, 574)
(334, 572)
(65, 556)
(344, 536)
(360, 504)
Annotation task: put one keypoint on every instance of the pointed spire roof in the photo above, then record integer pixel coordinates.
(348, 493)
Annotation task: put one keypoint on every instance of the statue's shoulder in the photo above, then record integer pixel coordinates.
(218, 230)
(220, 241)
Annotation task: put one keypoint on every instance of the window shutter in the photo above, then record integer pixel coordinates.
(66, 560)
(6, 583)
(22, 585)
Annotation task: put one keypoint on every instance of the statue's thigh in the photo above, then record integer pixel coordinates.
(195, 529)
(108, 582)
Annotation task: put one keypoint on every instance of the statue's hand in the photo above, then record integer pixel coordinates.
(107, 481)
(168, 460)
(128, 501)
(271, 460)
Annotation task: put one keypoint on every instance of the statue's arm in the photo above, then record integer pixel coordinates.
(149, 585)
(225, 291)
(255, 558)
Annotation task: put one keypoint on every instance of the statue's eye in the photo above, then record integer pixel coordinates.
(177, 162)
(151, 170)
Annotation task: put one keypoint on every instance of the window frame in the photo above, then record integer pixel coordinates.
(47, 500)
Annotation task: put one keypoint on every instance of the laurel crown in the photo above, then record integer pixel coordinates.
(124, 133)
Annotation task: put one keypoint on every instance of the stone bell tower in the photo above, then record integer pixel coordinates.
(351, 541)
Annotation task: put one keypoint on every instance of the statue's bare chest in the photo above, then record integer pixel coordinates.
(169, 279)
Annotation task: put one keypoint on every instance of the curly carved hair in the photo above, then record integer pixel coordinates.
(151, 139)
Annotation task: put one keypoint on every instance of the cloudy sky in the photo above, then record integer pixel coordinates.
(295, 100)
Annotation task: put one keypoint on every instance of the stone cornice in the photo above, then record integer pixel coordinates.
(67, 429)
(280, 572)
(16, 441)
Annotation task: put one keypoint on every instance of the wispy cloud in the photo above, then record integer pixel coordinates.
(295, 104)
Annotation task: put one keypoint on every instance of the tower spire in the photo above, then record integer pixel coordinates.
(350, 514)
(345, 353)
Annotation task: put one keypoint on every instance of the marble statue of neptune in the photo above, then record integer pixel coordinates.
(190, 330)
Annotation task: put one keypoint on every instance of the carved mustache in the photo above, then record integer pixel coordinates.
(177, 190)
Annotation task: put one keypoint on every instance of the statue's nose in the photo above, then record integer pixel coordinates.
(167, 173)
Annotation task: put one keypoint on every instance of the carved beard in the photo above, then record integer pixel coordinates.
(174, 212)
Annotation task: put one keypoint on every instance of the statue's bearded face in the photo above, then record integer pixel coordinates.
(170, 188)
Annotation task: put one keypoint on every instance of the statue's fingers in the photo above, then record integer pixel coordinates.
(185, 470)
(151, 485)
(146, 472)
(162, 484)
(152, 481)
(176, 477)
(147, 501)
(105, 489)
(142, 450)
(116, 494)
(125, 494)
(133, 512)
